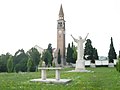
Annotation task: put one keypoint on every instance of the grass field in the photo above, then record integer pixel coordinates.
(102, 78)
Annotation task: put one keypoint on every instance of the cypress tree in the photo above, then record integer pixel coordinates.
(112, 54)
(95, 54)
(74, 53)
(88, 50)
(59, 57)
(119, 55)
(46, 56)
(50, 50)
(69, 54)
(72, 45)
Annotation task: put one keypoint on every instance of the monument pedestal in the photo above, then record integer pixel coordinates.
(92, 65)
(80, 65)
(110, 64)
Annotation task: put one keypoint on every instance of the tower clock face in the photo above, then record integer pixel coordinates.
(60, 32)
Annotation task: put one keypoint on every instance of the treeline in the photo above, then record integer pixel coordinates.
(90, 52)
(30, 60)
(20, 61)
(71, 56)
(23, 61)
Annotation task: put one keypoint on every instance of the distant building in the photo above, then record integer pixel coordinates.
(103, 58)
(40, 50)
(60, 39)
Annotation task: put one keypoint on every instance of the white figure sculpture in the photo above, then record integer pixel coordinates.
(80, 42)
(80, 63)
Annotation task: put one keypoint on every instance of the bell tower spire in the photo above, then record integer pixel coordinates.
(61, 13)
(61, 35)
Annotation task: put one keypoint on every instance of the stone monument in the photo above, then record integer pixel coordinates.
(80, 63)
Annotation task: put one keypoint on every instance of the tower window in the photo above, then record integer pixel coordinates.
(60, 24)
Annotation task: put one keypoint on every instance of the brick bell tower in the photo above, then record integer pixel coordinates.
(61, 36)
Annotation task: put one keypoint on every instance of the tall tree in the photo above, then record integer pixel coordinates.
(50, 50)
(88, 51)
(10, 64)
(46, 56)
(29, 64)
(20, 61)
(74, 54)
(112, 54)
(69, 54)
(35, 57)
(95, 54)
(72, 45)
(119, 54)
(3, 62)
(59, 57)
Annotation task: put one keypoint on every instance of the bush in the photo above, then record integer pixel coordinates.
(118, 65)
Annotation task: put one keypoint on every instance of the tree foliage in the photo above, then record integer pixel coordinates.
(46, 56)
(95, 54)
(88, 50)
(71, 54)
(74, 53)
(90, 53)
(119, 54)
(29, 64)
(3, 62)
(10, 64)
(112, 54)
(59, 57)
(35, 58)
(20, 61)
(118, 65)
(50, 50)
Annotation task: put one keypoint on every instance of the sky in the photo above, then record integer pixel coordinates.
(26, 23)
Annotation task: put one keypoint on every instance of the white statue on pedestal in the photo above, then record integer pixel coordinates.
(80, 63)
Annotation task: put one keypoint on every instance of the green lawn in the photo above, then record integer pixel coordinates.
(102, 78)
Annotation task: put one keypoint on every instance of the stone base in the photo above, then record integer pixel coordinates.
(80, 71)
(111, 65)
(61, 81)
(80, 65)
(92, 65)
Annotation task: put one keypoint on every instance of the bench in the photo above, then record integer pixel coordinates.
(43, 72)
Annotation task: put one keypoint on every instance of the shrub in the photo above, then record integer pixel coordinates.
(118, 65)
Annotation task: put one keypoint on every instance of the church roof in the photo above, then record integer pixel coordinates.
(61, 13)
